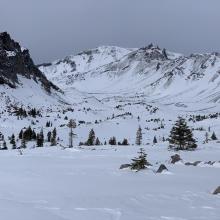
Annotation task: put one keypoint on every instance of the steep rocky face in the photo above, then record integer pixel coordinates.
(15, 61)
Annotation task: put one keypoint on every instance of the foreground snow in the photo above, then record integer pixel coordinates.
(55, 184)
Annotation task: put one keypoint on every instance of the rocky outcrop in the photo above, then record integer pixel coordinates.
(175, 158)
(15, 61)
(217, 191)
(162, 168)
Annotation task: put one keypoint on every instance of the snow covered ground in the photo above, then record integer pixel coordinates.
(87, 184)
(113, 91)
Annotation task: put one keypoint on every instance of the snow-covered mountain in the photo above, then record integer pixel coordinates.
(157, 73)
(64, 71)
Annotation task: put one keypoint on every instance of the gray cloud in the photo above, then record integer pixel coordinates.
(52, 29)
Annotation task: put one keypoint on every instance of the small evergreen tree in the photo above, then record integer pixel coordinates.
(125, 142)
(40, 139)
(206, 137)
(91, 138)
(97, 142)
(4, 146)
(49, 136)
(139, 136)
(140, 162)
(12, 141)
(181, 136)
(71, 125)
(213, 136)
(23, 143)
(33, 136)
(112, 141)
(54, 137)
(155, 140)
(20, 134)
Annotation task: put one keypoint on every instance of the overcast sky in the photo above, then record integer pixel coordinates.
(52, 29)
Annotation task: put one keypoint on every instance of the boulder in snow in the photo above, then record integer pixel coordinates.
(175, 158)
(161, 168)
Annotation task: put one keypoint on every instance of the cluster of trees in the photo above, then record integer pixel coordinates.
(195, 118)
(22, 112)
(93, 140)
(49, 124)
(213, 137)
(29, 134)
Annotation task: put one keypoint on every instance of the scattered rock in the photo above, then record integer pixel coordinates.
(175, 158)
(161, 168)
(193, 163)
(217, 191)
(124, 166)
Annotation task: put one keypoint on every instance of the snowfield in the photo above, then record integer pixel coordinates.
(87, 184)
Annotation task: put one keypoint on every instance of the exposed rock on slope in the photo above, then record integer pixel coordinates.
(16, 61)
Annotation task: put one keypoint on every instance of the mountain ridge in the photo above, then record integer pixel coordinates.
(148, 69)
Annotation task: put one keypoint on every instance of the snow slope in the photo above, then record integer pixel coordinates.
(85, 184)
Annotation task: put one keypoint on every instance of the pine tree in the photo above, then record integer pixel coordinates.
(54, 137)
(12, 141)
(23, 143)
(4, 146)
(181, 136)
(91, 138)
(49, 134)
(71, 125)
(21, 134)
(112, 141)
(206, 137)
(40, 139)
(33, 136)
(139, 162)
(125, 142)
(97, 142)
(139, 136)
(213, 136)
(155, 140)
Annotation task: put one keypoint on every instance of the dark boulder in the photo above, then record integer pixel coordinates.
(175, 158)
(193, 163)
(161, 168)
(217, 191)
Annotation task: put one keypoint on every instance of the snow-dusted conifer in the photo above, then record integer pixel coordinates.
(139, 136)
(181, 136)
